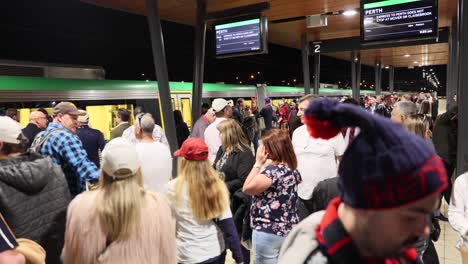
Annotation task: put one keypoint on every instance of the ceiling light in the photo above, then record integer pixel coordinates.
(415, 62)
(350, 12)
(387, 67)
(407, 55)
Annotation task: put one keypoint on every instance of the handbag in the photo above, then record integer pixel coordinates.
(261, 123)
(32, 251)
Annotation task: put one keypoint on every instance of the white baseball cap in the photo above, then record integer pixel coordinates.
(9, 130)
(83, 118)
(119, 154)
(219, 104)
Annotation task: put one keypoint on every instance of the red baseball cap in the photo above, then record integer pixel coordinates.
(193, 149)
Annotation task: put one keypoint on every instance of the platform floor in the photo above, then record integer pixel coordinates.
(445, 247)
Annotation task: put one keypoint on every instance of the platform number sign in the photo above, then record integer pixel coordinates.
(316, 48)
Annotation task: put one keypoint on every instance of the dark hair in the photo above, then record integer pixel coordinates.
(178, 117)
(11, 112)
(42, 110)
(350, 100)
(123, 114)
(204, 108)
(138, 110)
(387, 96)
(279, 147)
(10, 148)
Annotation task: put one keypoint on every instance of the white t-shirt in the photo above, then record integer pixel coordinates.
(316, 159)
(156, 165)
(158, 134)
(212, 138)
(458, 208)
(196, 240)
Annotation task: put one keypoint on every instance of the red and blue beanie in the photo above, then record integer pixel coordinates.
(385, 166)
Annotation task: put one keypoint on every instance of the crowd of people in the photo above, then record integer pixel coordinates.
(311, 181)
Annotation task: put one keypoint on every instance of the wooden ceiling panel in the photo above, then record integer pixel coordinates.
(422, 55)
(288, 34)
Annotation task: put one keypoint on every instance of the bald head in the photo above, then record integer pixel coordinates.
(39, 119)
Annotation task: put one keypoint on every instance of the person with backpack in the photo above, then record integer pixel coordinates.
(60, 142)
(34, 194)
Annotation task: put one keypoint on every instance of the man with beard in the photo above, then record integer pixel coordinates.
(390, 183)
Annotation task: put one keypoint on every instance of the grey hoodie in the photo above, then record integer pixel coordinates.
(300, 246)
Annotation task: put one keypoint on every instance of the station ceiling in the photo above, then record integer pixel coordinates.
(289, 33)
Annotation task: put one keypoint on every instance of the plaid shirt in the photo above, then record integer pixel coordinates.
(66, 150)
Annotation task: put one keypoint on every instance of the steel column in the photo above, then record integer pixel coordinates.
(378, 78)
(391, 78)
(160, 64)
(462, 95)
(452, 67)
(199, 60)
(355, 74)
(305, 63)
(316, 73)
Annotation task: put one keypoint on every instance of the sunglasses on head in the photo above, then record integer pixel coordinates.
(139, 118)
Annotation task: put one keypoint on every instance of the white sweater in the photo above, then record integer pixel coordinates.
(458, 208)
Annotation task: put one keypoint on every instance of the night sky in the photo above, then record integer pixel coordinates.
(72, 32)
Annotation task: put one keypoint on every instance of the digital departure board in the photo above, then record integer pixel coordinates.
(398, 19)
(241, 37)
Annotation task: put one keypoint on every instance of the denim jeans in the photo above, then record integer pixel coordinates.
(266, 247)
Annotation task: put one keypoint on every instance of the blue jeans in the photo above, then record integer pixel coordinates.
(266, 247)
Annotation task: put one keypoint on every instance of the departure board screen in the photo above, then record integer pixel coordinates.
(240, 37)
(398, 19)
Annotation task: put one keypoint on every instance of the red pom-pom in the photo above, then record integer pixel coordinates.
(321, 129)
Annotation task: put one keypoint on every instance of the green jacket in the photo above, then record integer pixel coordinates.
(118, 130)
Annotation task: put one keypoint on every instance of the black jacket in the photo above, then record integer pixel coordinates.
(30, 132)
(444, 136)
(182, 133)
(323, 193)
(33, 199)
(237, 168)
(384, 110)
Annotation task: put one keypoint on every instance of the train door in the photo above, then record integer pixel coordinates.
(183, 103)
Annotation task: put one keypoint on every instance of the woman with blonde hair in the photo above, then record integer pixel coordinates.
(274, 188)
(426, 110)
(419, 124)
(119, 222)
(201, 204)
(234, 161)
(234, 158)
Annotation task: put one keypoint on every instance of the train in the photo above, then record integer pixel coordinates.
(101, 98)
